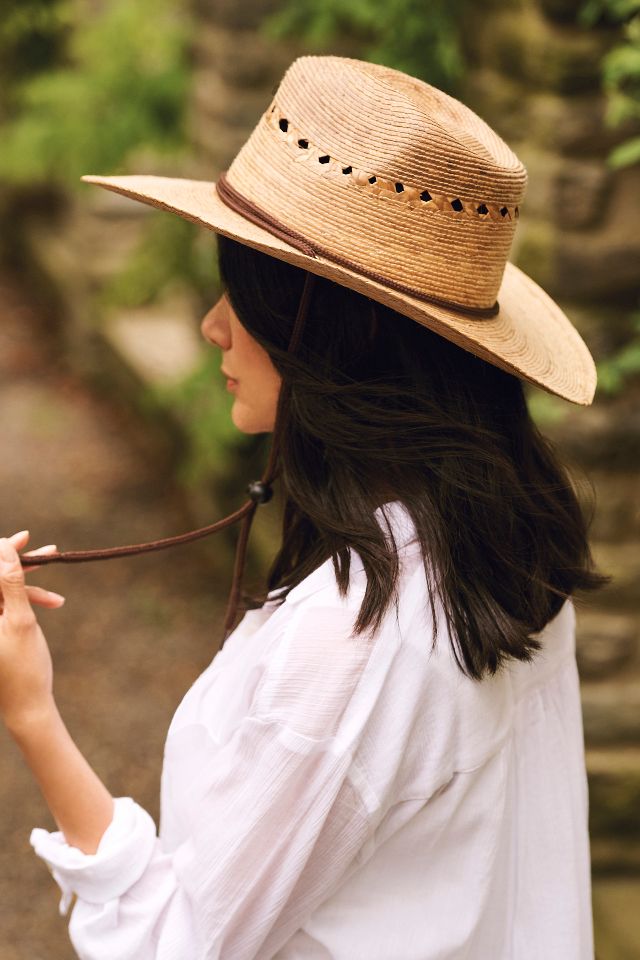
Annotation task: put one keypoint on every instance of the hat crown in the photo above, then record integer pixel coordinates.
(383, 172)
(400, 127)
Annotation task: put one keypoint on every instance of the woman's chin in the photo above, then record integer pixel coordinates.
(250, 421)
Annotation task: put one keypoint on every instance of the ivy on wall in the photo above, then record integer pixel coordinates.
(618, 369)
(85, 85)
(620, 70)
(33, 35)
(422, 39)
(621, 84)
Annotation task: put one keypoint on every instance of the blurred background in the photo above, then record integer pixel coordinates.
(114, 418)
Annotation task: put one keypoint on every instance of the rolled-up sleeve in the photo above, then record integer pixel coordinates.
(122, 856)
(275, 820)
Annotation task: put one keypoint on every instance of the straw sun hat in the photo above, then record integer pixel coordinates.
(387, 185)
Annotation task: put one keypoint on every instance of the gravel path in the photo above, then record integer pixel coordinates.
(73, 472)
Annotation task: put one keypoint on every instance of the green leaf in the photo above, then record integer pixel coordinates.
(122, 82)
(425, 43)
(625, 155)
(616, 370)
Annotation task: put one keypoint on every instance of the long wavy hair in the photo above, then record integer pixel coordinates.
(382, 409)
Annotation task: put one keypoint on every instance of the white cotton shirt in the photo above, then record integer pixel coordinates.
(332, 796)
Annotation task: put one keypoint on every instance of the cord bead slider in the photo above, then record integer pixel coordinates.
(259, 492)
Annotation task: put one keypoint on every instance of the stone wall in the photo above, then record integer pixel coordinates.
(535, 78)
(236, 69)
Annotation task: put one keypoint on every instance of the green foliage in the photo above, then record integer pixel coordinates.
(32, 38)
(120, 82)
(616, 371)
(545, 408)
(626, 154)
(608, 11)
(620, 71)
(171, 252)
(86, 85)
(621, 83)
(423, 39)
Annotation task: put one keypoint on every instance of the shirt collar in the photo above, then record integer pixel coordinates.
(394, 520)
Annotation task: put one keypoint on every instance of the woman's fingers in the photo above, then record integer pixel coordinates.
(19, 539)
(45, 598)
(50, 548)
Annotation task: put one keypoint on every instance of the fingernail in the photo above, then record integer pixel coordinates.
(56, 596)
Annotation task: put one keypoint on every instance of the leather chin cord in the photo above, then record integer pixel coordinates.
(259, 491)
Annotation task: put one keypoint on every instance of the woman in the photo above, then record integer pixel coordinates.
(385, 760)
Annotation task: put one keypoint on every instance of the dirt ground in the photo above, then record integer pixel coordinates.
(134, 633)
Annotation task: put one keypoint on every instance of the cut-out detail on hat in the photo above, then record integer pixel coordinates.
(389, 188)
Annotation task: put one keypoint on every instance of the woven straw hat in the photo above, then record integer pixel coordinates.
(385, 184)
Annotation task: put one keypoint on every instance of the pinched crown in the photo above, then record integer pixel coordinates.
(389, 174)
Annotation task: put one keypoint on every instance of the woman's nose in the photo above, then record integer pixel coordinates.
(215, 326)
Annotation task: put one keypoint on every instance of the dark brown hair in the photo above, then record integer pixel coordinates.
(382, 409)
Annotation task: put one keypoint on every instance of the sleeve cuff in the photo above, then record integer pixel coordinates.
(123, 854)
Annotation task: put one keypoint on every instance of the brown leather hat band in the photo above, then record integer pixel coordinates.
(250, 211)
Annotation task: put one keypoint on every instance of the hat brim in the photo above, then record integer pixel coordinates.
(530, 337)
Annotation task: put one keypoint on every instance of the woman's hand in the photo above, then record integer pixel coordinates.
(26, 672)
(79, 802)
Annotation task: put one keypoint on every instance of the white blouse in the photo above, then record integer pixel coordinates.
(327, 796)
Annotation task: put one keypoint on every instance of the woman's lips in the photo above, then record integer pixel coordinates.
(232, 383)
